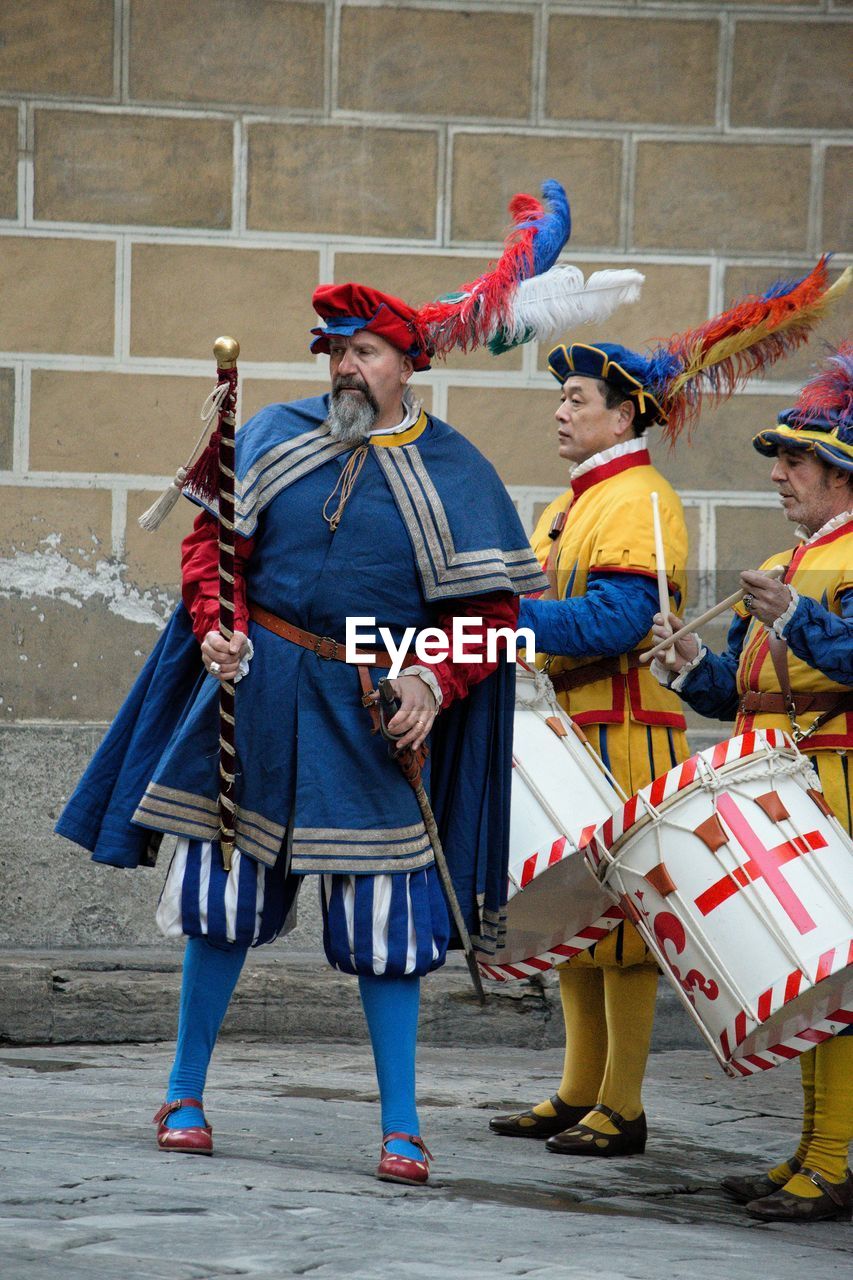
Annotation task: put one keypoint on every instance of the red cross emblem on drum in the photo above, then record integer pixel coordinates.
(762, 863)
(740, 880)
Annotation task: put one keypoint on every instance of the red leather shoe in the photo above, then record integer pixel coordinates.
(393, 1168)
(196, 1139)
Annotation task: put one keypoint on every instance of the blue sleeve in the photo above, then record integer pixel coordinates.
(711, 688)
(822, 639)
(610, 618)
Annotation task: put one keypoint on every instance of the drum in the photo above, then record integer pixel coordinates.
(560, 793)
(740, 879)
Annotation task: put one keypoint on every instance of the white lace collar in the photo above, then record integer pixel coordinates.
(835, 523)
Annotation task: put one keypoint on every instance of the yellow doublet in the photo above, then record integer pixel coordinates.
(634, 724)
(823, 570)
(609, 527)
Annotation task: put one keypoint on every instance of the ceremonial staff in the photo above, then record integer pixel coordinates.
(211, 478)
(226, 351)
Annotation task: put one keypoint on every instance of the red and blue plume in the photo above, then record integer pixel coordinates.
(525, 295)
(711, 362)
(550, 228)
(827, 399)
(469, 317)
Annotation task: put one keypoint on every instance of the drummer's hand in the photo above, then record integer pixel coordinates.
(770, 597)
(686, 646)
(227, 653)
(417, 711)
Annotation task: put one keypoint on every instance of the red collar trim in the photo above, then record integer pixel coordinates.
(840, 532)
(805, 547)
(642, 458)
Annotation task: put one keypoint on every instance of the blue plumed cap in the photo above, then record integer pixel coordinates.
(822, 419)
(628, 371)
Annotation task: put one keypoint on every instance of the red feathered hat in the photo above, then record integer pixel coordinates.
(349, 308)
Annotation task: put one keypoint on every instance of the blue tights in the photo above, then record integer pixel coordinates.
(210, 976)
(391, 1008)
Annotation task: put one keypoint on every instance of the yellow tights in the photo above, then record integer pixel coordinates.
(608, 1014)
(827, 1072)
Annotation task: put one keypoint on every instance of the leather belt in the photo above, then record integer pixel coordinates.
(591, 672)
(324, 646)
(777, 704)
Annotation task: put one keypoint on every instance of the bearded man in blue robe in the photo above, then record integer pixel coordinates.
(356, 504)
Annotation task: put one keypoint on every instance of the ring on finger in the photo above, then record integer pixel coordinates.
(749, 602)
(215, 668)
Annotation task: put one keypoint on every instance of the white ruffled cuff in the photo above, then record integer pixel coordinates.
(429, 680)
(678, 683)
(667, 676)
(778, 627)
(248, 654)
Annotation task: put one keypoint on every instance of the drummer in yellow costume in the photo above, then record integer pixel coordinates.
(789, 665)
(597, 543)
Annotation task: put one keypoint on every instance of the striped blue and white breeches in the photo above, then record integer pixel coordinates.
(382, 924)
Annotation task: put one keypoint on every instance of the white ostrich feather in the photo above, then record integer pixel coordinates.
(559, 300)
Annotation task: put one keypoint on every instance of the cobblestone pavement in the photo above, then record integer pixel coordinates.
(85, 1195)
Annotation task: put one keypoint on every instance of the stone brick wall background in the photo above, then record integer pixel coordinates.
(172, 171)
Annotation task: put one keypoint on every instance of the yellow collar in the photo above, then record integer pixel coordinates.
(402, 437)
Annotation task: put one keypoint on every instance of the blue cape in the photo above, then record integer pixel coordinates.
(410, 536)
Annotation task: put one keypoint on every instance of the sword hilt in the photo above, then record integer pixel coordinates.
(389, 705)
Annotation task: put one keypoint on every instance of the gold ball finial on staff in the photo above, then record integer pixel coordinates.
(226, 351)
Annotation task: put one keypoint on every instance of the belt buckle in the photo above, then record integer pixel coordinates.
(326, 648)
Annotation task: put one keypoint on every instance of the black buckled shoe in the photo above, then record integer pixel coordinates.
(835, 1201)
(527, 1124)
(755, 1186)
(581, 1140)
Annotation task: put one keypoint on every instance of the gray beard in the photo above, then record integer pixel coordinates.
(351, 417)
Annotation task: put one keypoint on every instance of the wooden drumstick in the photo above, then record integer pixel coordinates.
(778, 571)
(663, 584)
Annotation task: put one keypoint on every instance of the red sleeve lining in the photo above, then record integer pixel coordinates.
(499, 609)
(200, 576)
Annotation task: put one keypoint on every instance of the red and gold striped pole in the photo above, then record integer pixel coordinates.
(226, 351)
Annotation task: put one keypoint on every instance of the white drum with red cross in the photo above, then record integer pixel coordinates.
(740, 878)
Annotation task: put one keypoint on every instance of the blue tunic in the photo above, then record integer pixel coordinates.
(411, 540)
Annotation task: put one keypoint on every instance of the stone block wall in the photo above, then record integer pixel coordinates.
(170, 171)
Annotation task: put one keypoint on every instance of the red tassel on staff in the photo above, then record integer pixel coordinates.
(226, 351)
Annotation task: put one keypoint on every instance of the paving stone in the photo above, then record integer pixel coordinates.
(290, 1191)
